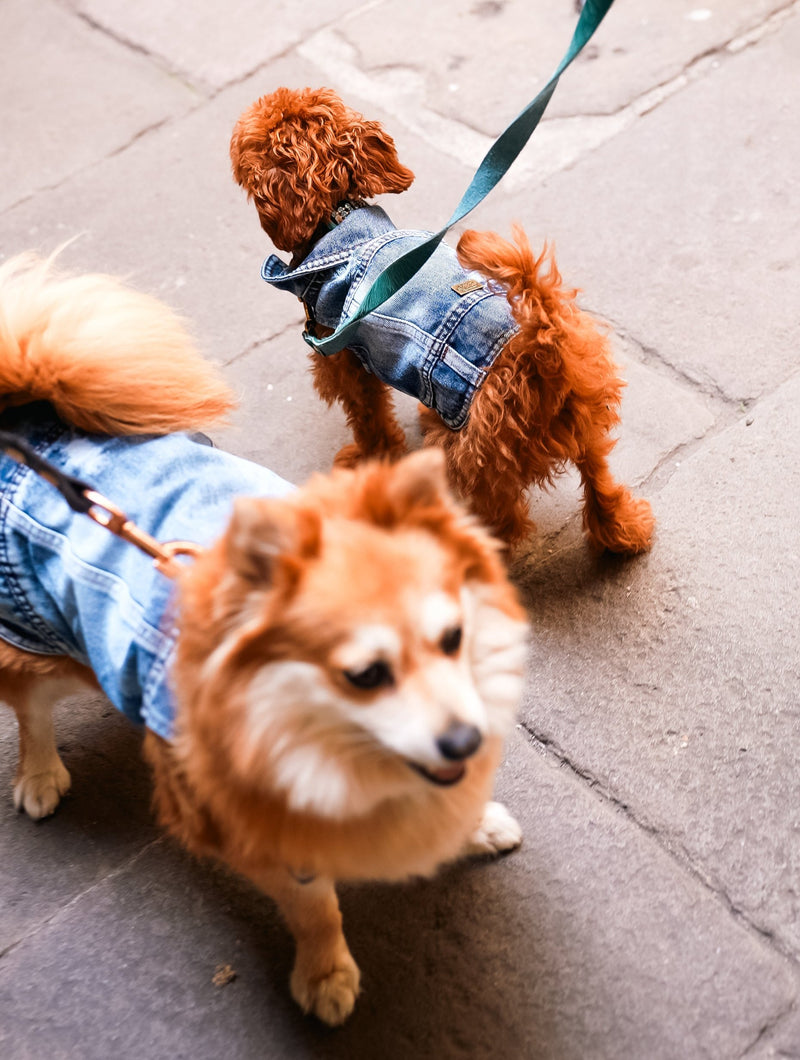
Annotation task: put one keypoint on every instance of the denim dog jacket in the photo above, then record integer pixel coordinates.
(435, 339)
(70, 587)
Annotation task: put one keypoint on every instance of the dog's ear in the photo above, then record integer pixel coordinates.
(375, 167)
(268, 540)
(286, 211)
(419, 479)
(415, 492)
(412, 490)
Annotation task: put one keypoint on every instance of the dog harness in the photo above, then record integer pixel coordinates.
(69, 587)
(435, 339)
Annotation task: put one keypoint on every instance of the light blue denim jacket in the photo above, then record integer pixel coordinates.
(70, 587)
(427, 340)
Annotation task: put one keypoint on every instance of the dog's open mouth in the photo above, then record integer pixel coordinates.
(445, 776)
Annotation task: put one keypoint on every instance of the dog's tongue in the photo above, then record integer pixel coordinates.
(449, 774)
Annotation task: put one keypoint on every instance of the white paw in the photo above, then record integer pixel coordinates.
(497, 832)
(332, 996)
(38, 794)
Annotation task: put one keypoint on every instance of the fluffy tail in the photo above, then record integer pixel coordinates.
(569, 348)
(109, 359)
(532, 283)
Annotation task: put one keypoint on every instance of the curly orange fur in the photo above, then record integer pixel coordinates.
(299, 154)
(552, 395)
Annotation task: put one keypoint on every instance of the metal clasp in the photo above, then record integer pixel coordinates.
(164, 555)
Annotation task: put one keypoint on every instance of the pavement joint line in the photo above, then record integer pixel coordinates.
(291, 327)
(138, 135)
(101, 160)
(206, 92)
(560, 142)
(677, 853)
(650, 357)
(728, 413)
(336, 57)
(561, 156)
(732, 413)
(155, 58)
(63, 909)
(766, 1031)
(771, 23)
(292, 46)
(117, 37)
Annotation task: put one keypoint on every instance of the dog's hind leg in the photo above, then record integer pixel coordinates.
(367, 405)
(613, 518)
(497, 497)
(42, 777)
(325, 978)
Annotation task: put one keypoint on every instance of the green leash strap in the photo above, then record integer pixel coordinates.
(492, 169)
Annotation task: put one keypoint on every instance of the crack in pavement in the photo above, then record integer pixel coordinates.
(560, 142)
(63, 909)
(676, 851)
(767, 1030)
(291, 327)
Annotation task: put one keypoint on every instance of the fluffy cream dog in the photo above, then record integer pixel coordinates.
(326, 686)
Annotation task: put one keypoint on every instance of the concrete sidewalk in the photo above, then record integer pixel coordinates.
(652, 912)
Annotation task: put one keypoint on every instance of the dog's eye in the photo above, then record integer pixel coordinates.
(373, 676)
(451, 641)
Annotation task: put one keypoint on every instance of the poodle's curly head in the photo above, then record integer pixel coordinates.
(298, 154)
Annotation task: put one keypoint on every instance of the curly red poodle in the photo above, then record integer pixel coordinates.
(516, 381)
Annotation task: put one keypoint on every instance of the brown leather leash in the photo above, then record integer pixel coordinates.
(82, 498)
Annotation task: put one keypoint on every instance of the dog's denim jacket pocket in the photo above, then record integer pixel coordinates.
(70, 587)
(427, 340)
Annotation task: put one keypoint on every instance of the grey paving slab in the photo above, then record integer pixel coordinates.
(660, 416)
(213, 43)
(539, 955)
(166, 213)
(70, 95)
(673, 681)
(479, 64)
(682, 230)
(280, 422)
(101, 824)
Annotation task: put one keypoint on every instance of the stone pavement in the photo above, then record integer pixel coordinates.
(652, 912)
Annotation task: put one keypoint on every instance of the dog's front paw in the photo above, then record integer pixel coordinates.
(497, 833)
(38, 794)
(330, 989)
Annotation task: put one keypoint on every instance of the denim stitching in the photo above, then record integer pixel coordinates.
(130, 611)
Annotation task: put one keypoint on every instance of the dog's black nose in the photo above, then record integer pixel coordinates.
(459, 741)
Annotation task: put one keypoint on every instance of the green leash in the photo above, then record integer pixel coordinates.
(492, 169)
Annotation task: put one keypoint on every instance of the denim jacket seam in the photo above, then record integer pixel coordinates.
(27, 613)
(449, 323)
(429, 345)
(156, 675)
(104, 580)
(471, 373)
(364, 260)
(502, 339)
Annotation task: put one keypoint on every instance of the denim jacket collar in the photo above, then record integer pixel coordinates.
(435, 339)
